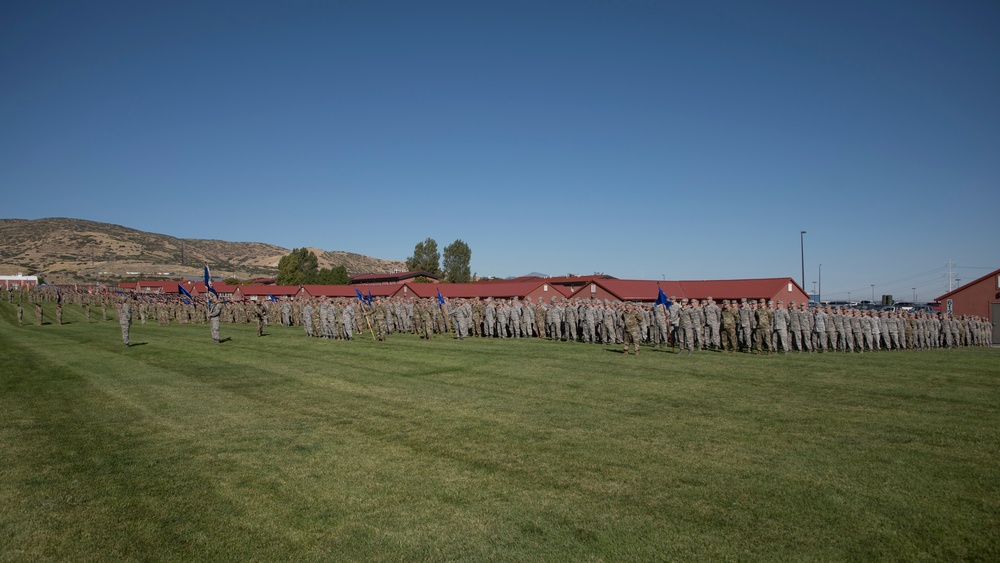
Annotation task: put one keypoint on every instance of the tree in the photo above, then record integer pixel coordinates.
(457, 256)
(302, 267)
(333, 276)
(426, 257)
(297, 268)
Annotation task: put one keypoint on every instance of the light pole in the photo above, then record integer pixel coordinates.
(914, 294)
(802, 252)
(819, 294)
(873, 294)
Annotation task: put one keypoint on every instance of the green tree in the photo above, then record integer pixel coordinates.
(297, 268)
(426, 257)
(457, 256)
(333, 276)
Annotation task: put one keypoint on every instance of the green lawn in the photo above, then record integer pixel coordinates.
(284, 447)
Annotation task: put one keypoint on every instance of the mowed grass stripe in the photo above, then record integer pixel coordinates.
(288, 447)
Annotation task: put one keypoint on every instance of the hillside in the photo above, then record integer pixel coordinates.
(75, 250)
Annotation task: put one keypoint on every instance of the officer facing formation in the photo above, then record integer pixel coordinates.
(125, 318)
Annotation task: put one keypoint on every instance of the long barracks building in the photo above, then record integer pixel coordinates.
(525, 288)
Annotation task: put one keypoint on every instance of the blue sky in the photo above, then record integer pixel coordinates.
(687, 140)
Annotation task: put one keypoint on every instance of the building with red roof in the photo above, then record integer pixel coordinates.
(263, 292)
(773, 289)
(18, 281)
(979, 297)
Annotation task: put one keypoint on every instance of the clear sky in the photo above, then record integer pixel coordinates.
(642, 139)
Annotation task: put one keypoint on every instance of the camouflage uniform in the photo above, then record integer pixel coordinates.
(214, 314)
(632, 317)
(730, 319)
(125, 319)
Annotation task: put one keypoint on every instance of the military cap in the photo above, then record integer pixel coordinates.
(709, 298)
(780, 301)
(743, 299)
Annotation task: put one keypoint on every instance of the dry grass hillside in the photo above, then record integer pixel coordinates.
(74, 250)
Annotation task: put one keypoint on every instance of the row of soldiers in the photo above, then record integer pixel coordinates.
(757, 326)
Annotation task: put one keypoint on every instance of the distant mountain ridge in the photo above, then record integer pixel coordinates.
(68, 250)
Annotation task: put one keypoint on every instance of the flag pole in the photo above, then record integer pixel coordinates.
(364, 312)
(370, 329)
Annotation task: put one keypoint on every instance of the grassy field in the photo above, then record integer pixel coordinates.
(283, 447)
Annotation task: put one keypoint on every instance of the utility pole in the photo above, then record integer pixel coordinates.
(819, 295)
(802, 252)
(950, 263)
(873, 294)
(914, 294)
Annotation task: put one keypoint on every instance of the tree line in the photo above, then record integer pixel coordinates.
(301, 266)
(457, 257)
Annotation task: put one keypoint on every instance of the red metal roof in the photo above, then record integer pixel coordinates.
(647, 290)
(578, 280)
(350, 290)
(397, 276)
(482, 290)
(624, 290)
(265, 289)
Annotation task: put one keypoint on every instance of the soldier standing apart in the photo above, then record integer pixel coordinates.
(59, 313)
(125, 318)
(257, 312)
(20, 314)
(214, 312)
(632, 319)
(39, 316)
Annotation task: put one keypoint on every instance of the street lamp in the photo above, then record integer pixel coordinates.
(873, 294)
(819, 294)
(802, 252)
(914, 294)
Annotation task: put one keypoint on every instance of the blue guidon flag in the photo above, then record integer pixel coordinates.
(661, 298)
(361, 298)
(440, 299)
(184, 292)
(208, 281)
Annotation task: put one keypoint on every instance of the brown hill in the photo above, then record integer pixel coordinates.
(74, 250)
